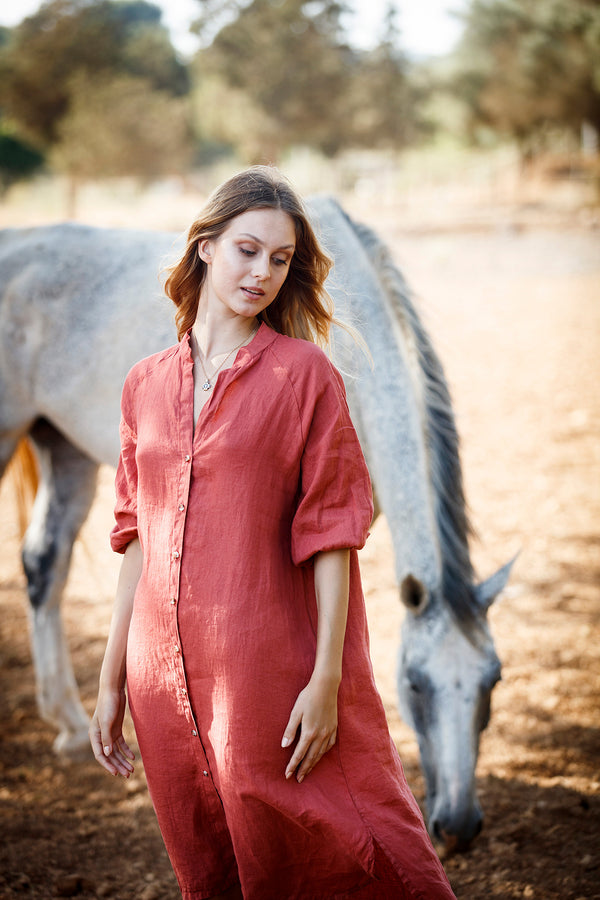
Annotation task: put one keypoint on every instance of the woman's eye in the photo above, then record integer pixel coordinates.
(247, 252)
(280, 262)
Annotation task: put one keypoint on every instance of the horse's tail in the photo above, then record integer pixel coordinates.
(24, 473)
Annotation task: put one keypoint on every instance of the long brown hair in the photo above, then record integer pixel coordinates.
(302, 308)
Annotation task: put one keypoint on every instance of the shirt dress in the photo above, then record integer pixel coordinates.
(223, 632)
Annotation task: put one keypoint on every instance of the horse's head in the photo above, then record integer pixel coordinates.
(447, 671)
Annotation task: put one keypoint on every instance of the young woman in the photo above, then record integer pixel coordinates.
(239, 622)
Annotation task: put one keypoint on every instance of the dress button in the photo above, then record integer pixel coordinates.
(187, 457)
(176, 649)
(172, 601)
(181, 507)
(205, 773)
(175, 554)
(194, 732)
(183, 691)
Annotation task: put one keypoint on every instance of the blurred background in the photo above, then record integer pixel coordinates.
(466, 133)
(488, 101)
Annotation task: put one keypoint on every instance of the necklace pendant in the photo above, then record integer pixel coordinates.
(206, 386)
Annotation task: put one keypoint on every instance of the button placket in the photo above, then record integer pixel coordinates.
(178, 537)
(178, 541)
(194, 730)
(179, 513)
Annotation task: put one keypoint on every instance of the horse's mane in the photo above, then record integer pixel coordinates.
(442, 443)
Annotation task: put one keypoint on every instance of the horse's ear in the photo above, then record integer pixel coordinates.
(488, 590)
(414, 594)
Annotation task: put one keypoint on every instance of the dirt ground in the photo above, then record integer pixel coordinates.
(515, 313)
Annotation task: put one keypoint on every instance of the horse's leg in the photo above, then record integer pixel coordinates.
(65, 494)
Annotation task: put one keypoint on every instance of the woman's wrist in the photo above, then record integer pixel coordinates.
(112, 682)
(328, 677)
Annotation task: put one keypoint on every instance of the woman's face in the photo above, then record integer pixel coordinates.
(248, 263)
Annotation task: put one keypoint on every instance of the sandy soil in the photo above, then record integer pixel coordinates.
(516, 317)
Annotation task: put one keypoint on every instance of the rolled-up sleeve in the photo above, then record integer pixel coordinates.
(126, 481)
(335, 504)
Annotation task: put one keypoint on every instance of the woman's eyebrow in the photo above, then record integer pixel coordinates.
(258, 241)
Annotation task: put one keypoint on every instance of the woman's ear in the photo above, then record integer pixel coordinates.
(205, 250)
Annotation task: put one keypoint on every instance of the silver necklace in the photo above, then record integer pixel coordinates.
(208, 383)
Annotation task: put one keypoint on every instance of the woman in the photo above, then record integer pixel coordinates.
(242, 496)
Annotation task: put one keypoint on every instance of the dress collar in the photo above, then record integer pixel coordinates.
(262, 339)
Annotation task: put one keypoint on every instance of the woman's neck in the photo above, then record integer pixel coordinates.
(216, 336)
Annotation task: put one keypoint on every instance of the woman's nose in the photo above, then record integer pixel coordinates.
(261, 268)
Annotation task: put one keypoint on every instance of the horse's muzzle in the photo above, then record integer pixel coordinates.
(457, 835)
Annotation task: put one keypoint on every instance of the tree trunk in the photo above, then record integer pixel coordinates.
(73, 186)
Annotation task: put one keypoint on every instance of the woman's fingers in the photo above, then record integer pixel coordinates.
(121, 761)
(314, 720)
(292, 726)
(123, 753)
(95, 734)
(125, 748)
(307, 754)
(297, 756)
(116, 762)
(114, 756)
(316, 751)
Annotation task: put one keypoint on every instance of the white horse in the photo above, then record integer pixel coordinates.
(79, 305)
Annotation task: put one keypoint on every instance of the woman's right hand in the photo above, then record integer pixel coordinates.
(106, 733)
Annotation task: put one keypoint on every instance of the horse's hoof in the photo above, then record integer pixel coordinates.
(74, 745)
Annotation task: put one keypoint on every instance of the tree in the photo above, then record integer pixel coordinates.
(528, 65)
(291, 62)
(384, 100)
(17, 160)
(119, 125)
(65, 38)
(227, 119)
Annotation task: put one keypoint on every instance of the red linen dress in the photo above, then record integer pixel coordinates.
(223, 632)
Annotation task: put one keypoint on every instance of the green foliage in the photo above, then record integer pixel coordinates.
(119, 125)
(280, 73)
(288, 60)
(97, 86)
(66, 38)
(383, 96)
(527, 66)
(148, 53)
(227, 118)
(17, 160)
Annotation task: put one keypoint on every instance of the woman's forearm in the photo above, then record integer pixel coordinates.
(315, 710)
(332, 588)
(112, 674)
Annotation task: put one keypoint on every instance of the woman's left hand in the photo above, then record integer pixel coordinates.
(315, 714)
